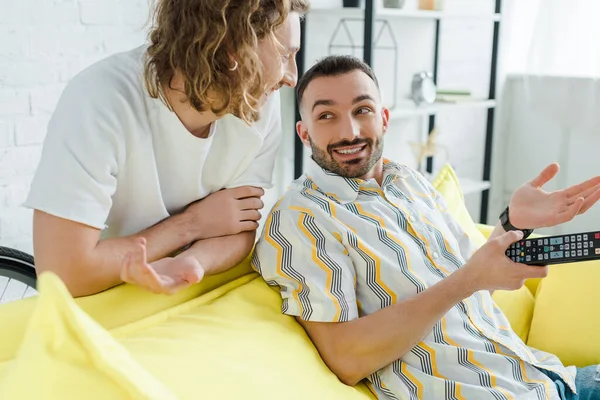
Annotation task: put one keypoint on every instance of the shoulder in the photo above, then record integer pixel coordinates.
(111, 83)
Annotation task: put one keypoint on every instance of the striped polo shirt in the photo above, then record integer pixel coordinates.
(339, 249)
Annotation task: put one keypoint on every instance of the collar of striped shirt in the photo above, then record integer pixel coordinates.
(345, 190)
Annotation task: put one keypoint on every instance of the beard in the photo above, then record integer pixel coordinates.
(354, 168)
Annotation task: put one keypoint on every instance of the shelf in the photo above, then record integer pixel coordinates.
(400, 13)
(414, 111)
(470, 186)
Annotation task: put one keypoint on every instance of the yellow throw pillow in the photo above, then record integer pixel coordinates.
(566, 320)
(447, 184)
(67, 355)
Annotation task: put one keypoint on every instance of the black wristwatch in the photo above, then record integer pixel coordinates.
(505, 221)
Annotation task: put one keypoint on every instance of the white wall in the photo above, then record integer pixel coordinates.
(43, 43)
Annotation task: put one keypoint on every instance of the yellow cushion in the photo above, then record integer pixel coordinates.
(565, 320)
(238, 346)
(107, 308)
(447, 184)
(66, 355)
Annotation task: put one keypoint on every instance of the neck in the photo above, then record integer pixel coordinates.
(197, 123)
(376, 172)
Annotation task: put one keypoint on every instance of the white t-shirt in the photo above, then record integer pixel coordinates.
(116, 159)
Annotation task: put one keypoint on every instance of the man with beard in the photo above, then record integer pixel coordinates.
(386, 284)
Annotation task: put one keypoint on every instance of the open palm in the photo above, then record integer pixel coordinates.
(531, 207)
(164, 276)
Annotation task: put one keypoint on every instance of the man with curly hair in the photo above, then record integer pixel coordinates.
(156, 159)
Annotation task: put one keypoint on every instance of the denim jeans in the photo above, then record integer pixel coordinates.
(587, 382)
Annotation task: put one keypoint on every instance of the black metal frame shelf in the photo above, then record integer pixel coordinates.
(369, 17)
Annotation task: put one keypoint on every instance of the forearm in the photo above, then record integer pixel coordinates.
(219, 254)
(374, 341)
(88, 265)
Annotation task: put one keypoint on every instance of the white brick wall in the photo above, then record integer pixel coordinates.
(43, 43)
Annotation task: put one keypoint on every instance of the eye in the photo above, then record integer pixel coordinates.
(363, 110)
(325, 116)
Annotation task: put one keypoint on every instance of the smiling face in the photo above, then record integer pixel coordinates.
(343, 122)
(277, 54)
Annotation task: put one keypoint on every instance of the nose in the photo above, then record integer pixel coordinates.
(349, 128)
(290, 74)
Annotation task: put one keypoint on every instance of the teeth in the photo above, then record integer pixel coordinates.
(350, 151)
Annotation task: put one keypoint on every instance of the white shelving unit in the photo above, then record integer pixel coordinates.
(407, 109)
(401, 13)
(419, 111)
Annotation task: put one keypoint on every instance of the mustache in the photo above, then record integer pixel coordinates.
(346, 143)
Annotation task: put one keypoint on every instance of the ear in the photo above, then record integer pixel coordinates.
(302, 132)
(385, 114)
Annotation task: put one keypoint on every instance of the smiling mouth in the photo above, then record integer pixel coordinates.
(350, 150)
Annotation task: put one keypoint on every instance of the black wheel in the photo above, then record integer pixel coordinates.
(17, 275)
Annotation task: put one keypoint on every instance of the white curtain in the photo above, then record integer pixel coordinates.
(555, 45)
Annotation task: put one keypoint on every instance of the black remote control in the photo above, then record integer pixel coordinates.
(557, 249)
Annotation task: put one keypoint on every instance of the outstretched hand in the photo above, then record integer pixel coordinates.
(531, 207)
(165, 276)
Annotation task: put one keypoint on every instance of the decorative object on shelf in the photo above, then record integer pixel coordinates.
(429, 149)
(437, 5)
(393, 3)
(423, 88)
(453, 95)
(337, 45)
(351, 3)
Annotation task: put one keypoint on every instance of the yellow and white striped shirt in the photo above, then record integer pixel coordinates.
(341, 248)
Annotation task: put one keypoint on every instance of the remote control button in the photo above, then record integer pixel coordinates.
(597, 236)
(579, 245)
(566, 239)
(579, 238)
(528, 258)
(585, 237)
(597, 250)
(528, 244)
(562, 247)
(585, 245)
(586, 252)
(572, 238)
(579, 253)
(540, 257)
(546, 256)
(591, 244)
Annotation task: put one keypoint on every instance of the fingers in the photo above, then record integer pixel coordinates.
(243, 192)
(250, 215)
(570, 212)
(582, 188)
(509, 238)
(251, 203)
(247, 226)
(532, 272)
(546, 175)
(590, 200)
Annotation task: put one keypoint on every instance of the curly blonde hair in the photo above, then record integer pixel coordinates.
(197, 38)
